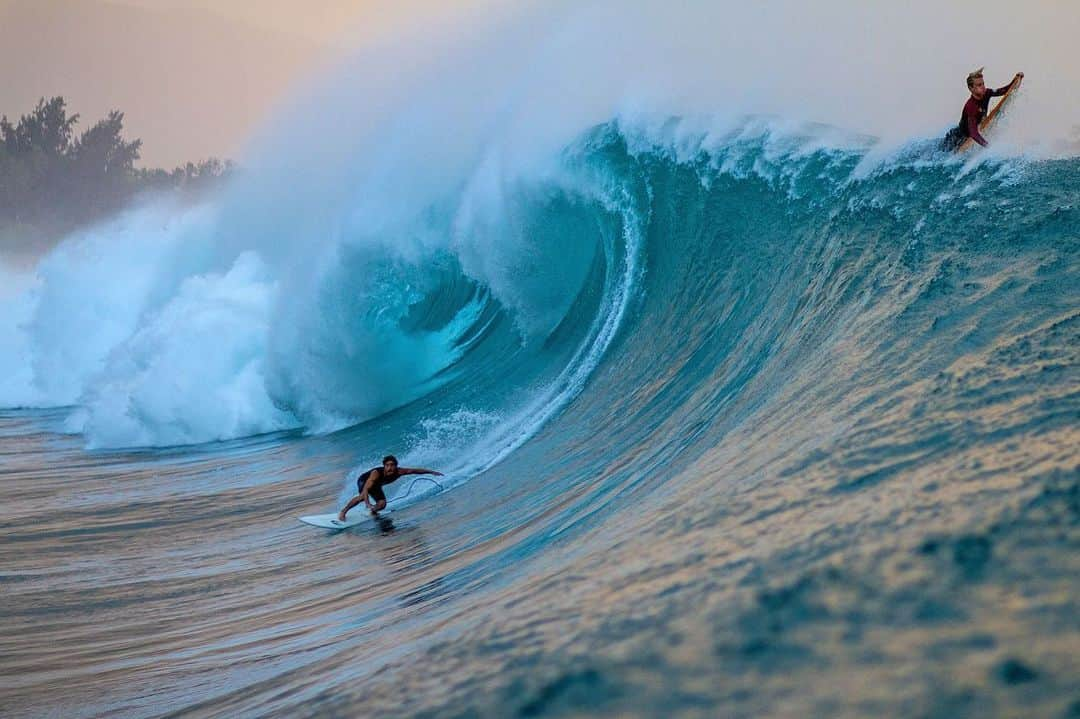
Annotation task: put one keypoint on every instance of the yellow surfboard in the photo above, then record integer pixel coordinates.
(989, 119)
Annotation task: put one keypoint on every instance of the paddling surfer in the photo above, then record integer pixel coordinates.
(370, 483)
(975, 110)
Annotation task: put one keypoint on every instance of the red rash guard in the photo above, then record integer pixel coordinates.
(975, 111)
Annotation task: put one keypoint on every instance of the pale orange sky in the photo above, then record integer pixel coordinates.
(192, 76)
(320, 21)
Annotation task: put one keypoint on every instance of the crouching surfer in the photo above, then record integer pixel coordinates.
(370, 483)
(975, 110)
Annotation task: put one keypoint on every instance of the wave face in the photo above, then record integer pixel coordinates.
(500, 298)
(721, 405)
(171, 336)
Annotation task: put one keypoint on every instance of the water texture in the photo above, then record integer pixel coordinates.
(733, 424)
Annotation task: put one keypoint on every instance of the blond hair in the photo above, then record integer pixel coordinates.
(973, 76)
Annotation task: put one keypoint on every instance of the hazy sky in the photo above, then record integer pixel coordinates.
(319, 21)
(194, 77)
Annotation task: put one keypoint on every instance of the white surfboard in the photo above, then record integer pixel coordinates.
(330, 521)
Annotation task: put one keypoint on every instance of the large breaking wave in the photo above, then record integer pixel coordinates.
(470, 238)
(502, 297)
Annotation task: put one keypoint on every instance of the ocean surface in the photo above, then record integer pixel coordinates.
(733, 424)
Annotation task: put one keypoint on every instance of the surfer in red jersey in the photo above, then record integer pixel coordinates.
(370, 483)
(975, 110)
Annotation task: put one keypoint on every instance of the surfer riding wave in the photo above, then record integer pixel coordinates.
(370, 483)
(975, 110)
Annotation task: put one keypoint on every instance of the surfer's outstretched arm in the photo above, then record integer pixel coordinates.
(408, 470)
(1002, 90)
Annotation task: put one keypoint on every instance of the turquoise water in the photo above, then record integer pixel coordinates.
(731, 426)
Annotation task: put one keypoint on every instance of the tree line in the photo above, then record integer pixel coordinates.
(53, 179)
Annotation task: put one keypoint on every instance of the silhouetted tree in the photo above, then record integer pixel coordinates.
(103, 165)
(51, 179)
(47, 129)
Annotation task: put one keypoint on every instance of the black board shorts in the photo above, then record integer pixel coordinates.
(953, 139)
